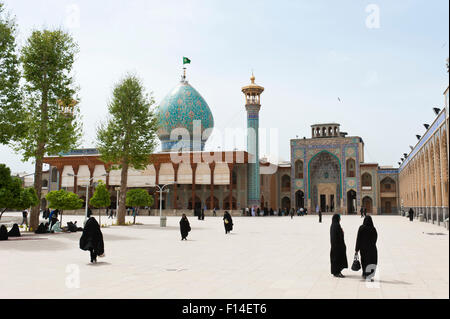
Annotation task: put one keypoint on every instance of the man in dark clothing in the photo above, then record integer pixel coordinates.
(185, 227)
(366, 241)
(92, 239)
(320, 216)
(338, 254)
(25, 217)
(411, 214)
(227, 222)
(362, 212)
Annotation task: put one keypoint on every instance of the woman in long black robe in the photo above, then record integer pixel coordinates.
(227, 222)
(411, 214)
(338, 253)
(185, 227)
(92, 239)
(366, 244)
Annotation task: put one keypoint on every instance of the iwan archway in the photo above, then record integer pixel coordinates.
(324, 182)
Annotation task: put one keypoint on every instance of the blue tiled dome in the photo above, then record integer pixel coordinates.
(179, 109)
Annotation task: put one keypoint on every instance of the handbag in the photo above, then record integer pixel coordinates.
(356, 264)
(226, 221)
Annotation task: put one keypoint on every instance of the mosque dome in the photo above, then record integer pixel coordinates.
(183, 108)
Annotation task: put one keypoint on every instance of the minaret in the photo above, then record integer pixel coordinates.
(252, 105)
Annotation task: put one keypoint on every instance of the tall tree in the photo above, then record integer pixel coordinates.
(63, 200)
(100, 199)
(52, 123)
(10, 95)
(128, 138)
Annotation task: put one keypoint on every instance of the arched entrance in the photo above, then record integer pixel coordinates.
(226, 203)
(197, 203)
(367, 203)
(215, 202)
(286, 203)
(324, 177)
(351, 202)
(299, 199)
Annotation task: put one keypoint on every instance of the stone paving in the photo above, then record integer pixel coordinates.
(264, 257)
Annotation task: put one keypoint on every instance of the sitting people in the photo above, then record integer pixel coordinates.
(3, 233)
(56, 228)
(14, 232)
(42, 229)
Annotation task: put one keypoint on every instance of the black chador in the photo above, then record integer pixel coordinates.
(185, 227)
(14, 232)
(338, 253)
(411, 214)
(92, 239)
(3, 233)
(366, 244)
(227, 222)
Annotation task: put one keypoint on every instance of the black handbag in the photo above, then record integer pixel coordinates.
(356, 264)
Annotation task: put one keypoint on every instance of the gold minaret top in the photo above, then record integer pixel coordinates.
(252, 92)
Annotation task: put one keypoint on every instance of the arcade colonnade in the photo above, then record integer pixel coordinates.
(424, 175)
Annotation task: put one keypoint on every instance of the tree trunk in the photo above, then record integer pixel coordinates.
(123, 193)
(34, 216)
(135, 213)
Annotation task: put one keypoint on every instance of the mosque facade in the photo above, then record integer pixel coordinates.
(326, 171)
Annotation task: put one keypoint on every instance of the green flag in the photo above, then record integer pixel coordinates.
(186, 60)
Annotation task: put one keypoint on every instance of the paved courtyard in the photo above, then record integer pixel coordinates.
(264, 257)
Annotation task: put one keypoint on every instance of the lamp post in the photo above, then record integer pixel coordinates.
(87, 194)
(161, 189)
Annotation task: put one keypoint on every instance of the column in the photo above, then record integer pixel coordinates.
(194, 168)
(75, 178)
(175, 186)
(211, 196)
(230, 199)
(156, 202)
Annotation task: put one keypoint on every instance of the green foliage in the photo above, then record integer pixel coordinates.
(12, 194)
(138, 198)
(11, 126)
(101, 197)
(129, 136)
(47, 59)
(64, 200)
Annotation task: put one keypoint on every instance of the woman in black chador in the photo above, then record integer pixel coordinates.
(92, 239)
(338, 254)
(366, 244)
(185, 227)
(411, 214)
(227, 222)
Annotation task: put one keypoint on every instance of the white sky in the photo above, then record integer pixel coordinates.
(305, 53)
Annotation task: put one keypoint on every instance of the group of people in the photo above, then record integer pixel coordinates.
(365, 245)
(252, 211)
(13, 232)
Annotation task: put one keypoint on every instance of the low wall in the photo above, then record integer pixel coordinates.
(155, 212)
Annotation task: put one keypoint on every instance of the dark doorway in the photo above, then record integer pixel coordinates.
(323, 202)
(300, 199)
(351, 202)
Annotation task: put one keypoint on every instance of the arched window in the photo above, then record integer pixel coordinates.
(366, 180)
(299, 169)
(54, 175)
(285, 183)
(351, 168)
(44, 183)
(387, 185)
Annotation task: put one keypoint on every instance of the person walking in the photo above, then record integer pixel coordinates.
(338, 253)
(366, 245)
(362, 211)
(24, 217)
(365, 211)
(320, 216)
(411, 214)
(227, 222)
(92, 239)
(185, 227)
(292, 213)
(214, 212)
